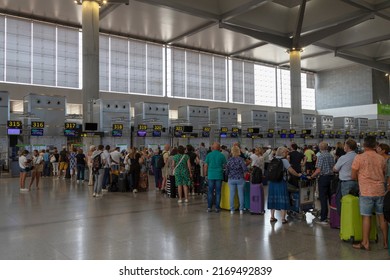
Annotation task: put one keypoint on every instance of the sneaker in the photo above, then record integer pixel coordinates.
(185, 200)
(179, 201)
(241, 212)
(78, 181)
(217, 210)
(192, 193)
(98, 195)
(94, 194)
(24, 190)
(232, 212)
(208, 210)
(135, 191)
(324, 223)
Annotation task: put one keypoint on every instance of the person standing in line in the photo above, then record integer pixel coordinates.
(72, 163)
(107, 167)
(37, 164)
(55, 159)
(225, 152)
(23, 168)
(115, 160)
(235, 169)
(99, 174)
(80, 159)
(384, 150)
(156, 169)
(164, 170)
(324, 171)
(369, 170)
(297, 159)
(344, 167)
(46, 163)
(64, 162)
(92, 148)
(135, 171)
(194, 161)
(278, 197)
(309, 159)
(182, 173)
(213, 169)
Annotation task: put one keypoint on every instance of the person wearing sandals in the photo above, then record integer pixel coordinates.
(37, 163)
(278, 198)
(182, 172)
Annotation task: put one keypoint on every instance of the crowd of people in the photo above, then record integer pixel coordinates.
(202, 170)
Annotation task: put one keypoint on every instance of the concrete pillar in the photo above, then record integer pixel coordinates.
(295, 82)
(90, 33)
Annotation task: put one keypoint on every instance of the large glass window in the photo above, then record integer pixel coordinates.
(2, 48)
(137, 67)
(104, 62)
(206, 77)
(155, 73)
(284, 88)
(44, 54)
(119, 65)
(308, 91)
(68, 63)
(265, 85)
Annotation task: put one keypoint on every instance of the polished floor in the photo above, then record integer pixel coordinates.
(62, 221)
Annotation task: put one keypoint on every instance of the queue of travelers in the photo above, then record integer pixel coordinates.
(193, 168)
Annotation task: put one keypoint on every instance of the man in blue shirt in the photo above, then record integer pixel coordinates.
(213, 168)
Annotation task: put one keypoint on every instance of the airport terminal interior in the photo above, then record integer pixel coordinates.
(145, 73)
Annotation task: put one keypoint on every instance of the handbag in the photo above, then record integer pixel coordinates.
(52, 158)
(174, 169)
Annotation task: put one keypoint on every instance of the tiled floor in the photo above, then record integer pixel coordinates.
(63, 221)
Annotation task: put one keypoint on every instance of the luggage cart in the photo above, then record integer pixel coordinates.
(302, 199)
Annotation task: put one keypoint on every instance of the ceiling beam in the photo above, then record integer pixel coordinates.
(181, 8)
(298, 28)
(259, 35)
(368, 7)
(313, 37)
(382, 6)
(107, 9)
(365, 42)
(191, 32)
(248, 48)
(364, 61)
(381, 58)
(251, 5)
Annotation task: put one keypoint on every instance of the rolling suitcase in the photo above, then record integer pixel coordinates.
(256, 199)
(351, 220)
(247, 195)
(334, 215)
(225, 197)
(122, 182)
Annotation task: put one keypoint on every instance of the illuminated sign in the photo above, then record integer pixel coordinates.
(142, 127)
(70, 125)
(206, 129)
(224, 129)
(271, 130)
(322, 132)
(157, 127)
(250, 130)
(179, 128)
(14, 124)
(35, 124)
(283, 131)
(117, 126)
(293, 131)
(36, 131)
(116, 133)
(235, 129)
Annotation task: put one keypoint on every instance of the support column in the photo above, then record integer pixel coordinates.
(295, 82)
(90, 35)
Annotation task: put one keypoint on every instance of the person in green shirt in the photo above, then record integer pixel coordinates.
(213, 169)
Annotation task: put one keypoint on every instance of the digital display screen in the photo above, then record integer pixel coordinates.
(253, 130)
(36, 131)
(117, 126)
(321, 135)
(141, 133)
(187, 128)
(283, 131)
(35, 124)
(91, 126)
(223, 134)
(249, 135)
(142, 127)
(293, 131)
(14, 124)
(206, 129)
(157, 127)
(177, 134)
(283, 135)
(224, 129)
(14, 131)
(234, 135)
(270, 135)
(70, 125)
(271, 130)
(235, 129)
(205, 134)
(116, 133)
(291, 135)
(178, 128)
(156, 134)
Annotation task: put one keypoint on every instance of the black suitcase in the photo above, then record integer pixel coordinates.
(171, 187)
(114, 183)
(122, 182)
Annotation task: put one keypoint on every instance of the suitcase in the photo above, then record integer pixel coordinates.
(122, 182)
(114, 183)
(247, 195)
(351, 221)
(171, 187)
(334, 215)
(256, 199)
(225, 197)
(143, 184)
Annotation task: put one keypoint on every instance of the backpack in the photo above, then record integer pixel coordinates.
(275, 170)
(160, 163)
(386, 206)
(97, 163)
(256, 175)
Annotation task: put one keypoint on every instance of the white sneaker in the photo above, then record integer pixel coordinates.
(186, 200)
(192, 193)
(24, 190)
(94, 194)
(98, 195)
(135, 191)
(324, 223)
(241, 212)
(179, 201)
(78, 181)
(232, 212)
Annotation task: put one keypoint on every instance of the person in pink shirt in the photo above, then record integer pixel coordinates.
(369, 169)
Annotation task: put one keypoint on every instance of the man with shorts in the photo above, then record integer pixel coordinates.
(369, 169)
(64, 160)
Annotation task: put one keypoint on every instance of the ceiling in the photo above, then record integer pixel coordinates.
(333, 33)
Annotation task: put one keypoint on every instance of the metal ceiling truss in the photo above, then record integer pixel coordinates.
(303, 57)
(192, 32)
(365, 42)
(106, 9)
(364, 61)
(251, 5)
(298, 28)
(248, 49)
(372, 8)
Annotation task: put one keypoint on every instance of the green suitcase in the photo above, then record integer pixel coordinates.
(247, 195)
(351, 221)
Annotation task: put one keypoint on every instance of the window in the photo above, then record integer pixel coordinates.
(2, 49)
(155, 70)
(68, 57)
(137, 67)
(265, 85)
(284, 88)
(119, 65)
(104, 62)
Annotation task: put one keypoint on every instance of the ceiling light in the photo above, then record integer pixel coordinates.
(100, 2)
